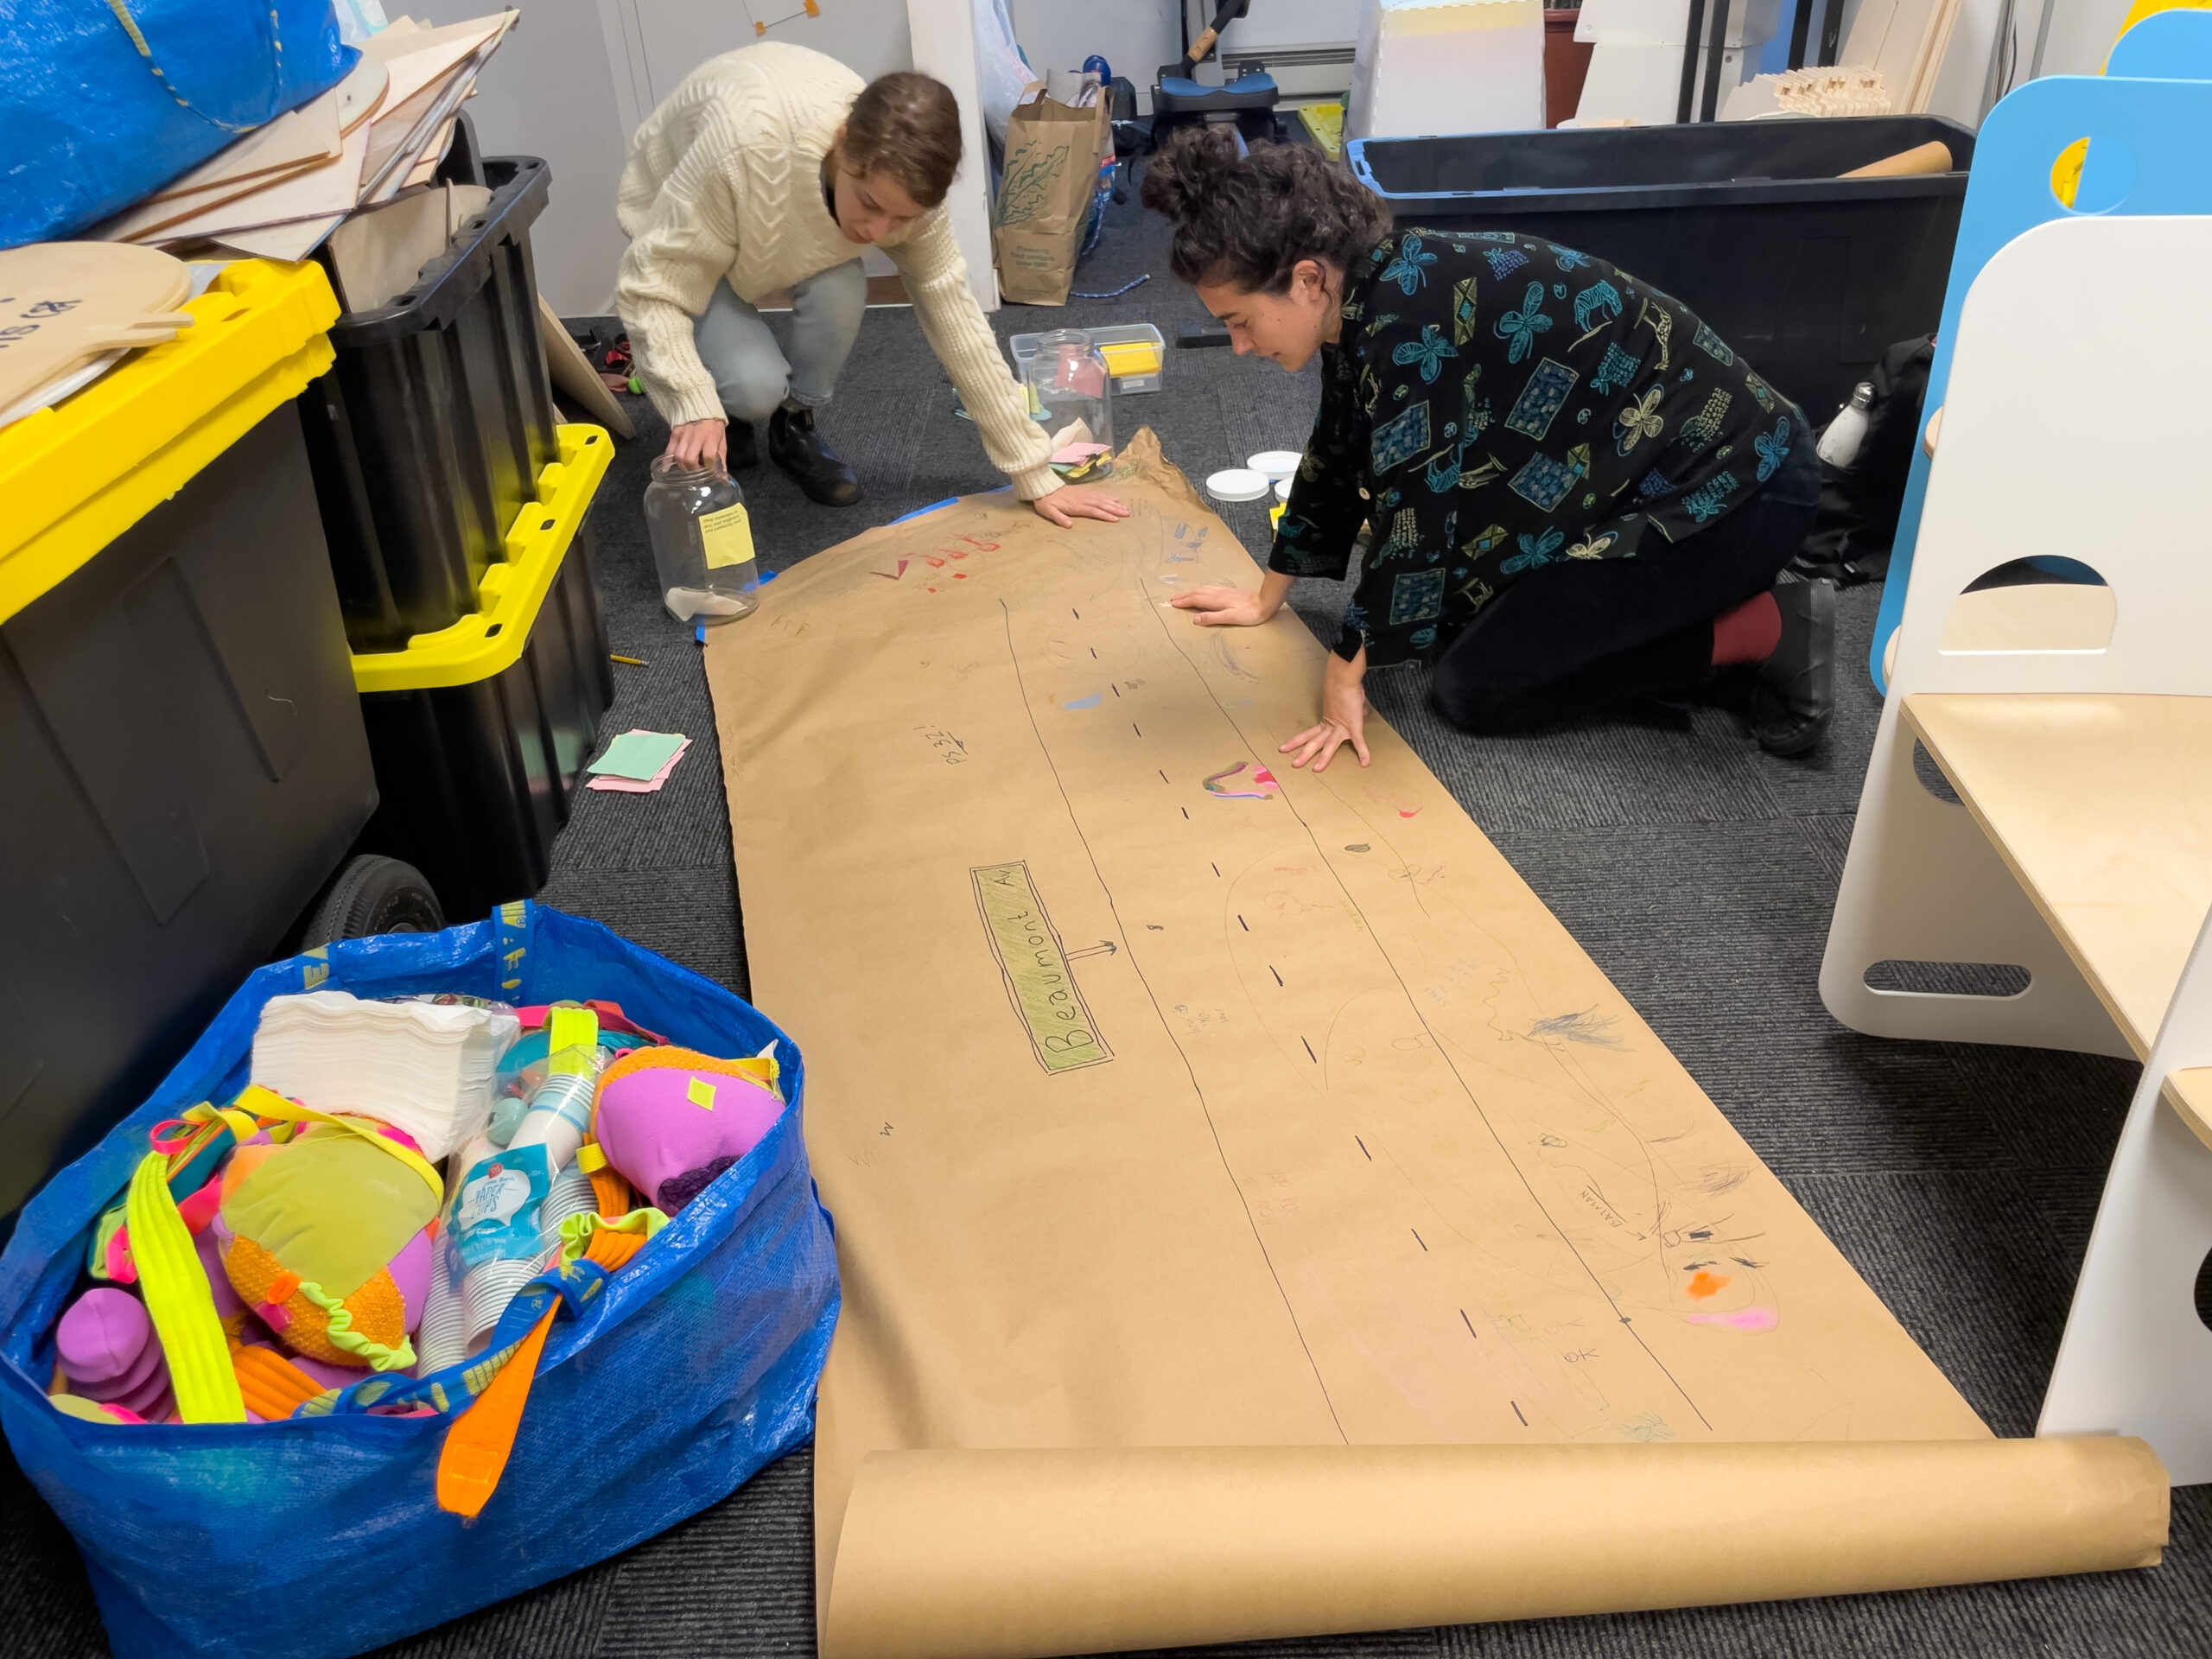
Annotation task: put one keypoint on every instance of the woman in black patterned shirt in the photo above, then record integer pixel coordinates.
(1579, 494)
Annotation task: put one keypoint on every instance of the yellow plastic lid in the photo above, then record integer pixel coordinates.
(77, 476)
(491, 639)
(1131, 357)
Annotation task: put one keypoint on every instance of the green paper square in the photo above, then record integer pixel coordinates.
(638, 755)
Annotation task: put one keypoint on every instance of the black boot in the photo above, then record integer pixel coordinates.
(795, 446)
(1793, 702)
(743, 452)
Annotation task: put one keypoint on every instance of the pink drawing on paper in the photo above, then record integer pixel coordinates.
(1244, 782)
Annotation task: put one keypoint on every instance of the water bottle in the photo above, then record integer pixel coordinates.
(1839, 445)
(702, 543)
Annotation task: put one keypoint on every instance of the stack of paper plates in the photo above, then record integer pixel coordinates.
(1237, 485)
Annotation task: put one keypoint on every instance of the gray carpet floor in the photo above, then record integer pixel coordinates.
(1960, 1181)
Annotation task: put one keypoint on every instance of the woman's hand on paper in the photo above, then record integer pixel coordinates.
(1344, 716)
(1069, 502)
(1218, 605)
(1221, 605)
(698, 443)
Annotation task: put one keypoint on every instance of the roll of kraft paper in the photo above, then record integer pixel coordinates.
(1023, 1555)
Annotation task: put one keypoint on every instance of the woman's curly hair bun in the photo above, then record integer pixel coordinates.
(1248, 219)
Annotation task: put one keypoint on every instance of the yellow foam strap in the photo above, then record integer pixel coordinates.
(266, 1103)
(590, 1159)
(572, 1043)
(577, 1232)
(179, 1300)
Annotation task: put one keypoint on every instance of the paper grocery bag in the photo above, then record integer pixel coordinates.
(1052, 153)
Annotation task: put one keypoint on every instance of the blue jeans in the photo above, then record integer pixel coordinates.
(752, 373)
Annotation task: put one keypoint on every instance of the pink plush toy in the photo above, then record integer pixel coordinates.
(109, 1352)
(671, 1118)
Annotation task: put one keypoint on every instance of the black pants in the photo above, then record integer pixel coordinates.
(1573, 638)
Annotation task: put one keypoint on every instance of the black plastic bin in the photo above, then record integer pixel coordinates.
(184, 764)
(429, 431)
(1809, 275)
(479, 747)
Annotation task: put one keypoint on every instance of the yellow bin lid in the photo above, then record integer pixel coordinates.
(77, 476)
(491, 638)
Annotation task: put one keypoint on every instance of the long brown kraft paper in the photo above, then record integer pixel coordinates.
(1009, 1555)
(1167, 1097)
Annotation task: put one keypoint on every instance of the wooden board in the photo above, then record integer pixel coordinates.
(2101, 805)
(378, 252)
(573, 373)
(1165, 1096)
(2188, 1092)
(331, 188)
(297, 138)
(67, 303)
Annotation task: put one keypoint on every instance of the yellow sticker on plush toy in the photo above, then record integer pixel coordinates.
(700, 1093)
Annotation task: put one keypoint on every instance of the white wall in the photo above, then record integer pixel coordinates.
(2081, 33)
(1136, 36)
(549, 91)
(666, 39)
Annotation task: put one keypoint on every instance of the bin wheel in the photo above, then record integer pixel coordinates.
(373, 894)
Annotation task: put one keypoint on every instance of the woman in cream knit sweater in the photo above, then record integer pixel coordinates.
(770, 168)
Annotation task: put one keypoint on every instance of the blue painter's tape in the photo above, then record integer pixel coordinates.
(949, 501)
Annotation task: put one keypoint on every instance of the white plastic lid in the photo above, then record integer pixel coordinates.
(1237, 485)
(1275, 463)
(1282, 489)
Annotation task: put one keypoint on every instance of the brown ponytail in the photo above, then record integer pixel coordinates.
(1247, 220)
(906, 125)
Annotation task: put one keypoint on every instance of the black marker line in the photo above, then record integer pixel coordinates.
(1071, 612)
(1415, 1231)
(1117, 690)
(1241, 922)
(1271, 968)
(1113, 909)
(1133, 727)
(1216, 869)
(1162, 771)
(1473, 1100)
(1470, 1324)
(1361, 1145)
(1516, 1404)
(1187, 811)
(1309, 1054)
(1094, 653)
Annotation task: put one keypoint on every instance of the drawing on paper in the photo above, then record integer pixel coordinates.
(1039, 983)
(1243, 782)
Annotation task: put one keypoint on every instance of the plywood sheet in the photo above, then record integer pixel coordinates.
(2101, 805)
(1166, 1098)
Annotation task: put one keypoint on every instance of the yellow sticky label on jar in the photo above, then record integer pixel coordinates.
(728, 537)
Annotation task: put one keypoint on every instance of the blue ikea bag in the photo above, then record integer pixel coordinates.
(101, 104)
(696, 1365)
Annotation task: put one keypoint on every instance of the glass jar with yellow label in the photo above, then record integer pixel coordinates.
(702, 543)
